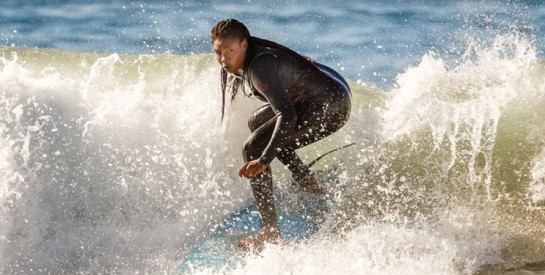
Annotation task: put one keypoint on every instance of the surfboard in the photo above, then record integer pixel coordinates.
(299, 214)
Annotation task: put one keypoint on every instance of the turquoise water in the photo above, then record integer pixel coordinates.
(113, 158)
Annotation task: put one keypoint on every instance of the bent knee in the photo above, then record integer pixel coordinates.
(260, 117)
(251, 122)
(251, 149)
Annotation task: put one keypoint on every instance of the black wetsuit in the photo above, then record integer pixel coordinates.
(305, 102)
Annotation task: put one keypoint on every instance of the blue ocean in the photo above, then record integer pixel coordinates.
(113, 159)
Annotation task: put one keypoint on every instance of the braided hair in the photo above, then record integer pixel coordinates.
(233, 28)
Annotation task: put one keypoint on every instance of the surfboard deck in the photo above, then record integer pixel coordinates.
(299, 216)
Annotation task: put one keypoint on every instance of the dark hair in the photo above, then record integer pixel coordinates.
(235, 29)
(230, 28)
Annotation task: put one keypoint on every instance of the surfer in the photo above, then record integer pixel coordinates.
(305, 102)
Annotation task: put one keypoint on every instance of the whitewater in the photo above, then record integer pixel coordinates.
(114, 159)
(119, 164)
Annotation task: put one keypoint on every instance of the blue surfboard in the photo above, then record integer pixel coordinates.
(299, 216)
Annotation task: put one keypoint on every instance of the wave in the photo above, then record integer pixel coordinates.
(452, 184)
(119, 163)
(110, 161)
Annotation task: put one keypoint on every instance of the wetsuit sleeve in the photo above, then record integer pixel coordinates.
(265, 77)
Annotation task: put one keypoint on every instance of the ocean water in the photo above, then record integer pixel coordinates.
(114, 161)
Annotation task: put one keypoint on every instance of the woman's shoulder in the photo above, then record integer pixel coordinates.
(258, 52)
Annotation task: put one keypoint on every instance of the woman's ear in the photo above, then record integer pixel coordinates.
(245, 44)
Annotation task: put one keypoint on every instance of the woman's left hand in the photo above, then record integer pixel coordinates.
(252, 169)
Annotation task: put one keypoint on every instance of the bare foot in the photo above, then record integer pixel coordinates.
(257, 242)
(309, 184)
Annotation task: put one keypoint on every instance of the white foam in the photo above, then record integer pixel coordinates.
(119, 163)
(457, 244)
(537, 186)
(103, 157)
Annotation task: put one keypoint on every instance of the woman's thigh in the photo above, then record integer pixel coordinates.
(260, 117)
(315, 120)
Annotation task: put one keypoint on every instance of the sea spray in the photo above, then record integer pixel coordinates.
(112, 163)
(451, 184)
(119, 163)
(537, 187)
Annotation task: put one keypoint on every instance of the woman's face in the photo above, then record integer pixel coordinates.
(230, 53)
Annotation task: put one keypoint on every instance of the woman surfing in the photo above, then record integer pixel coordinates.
(305, 102)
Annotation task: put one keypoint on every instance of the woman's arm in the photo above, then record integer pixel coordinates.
(265, 77)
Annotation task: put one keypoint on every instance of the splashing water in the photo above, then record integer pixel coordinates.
(452, 184)
(119, 163)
